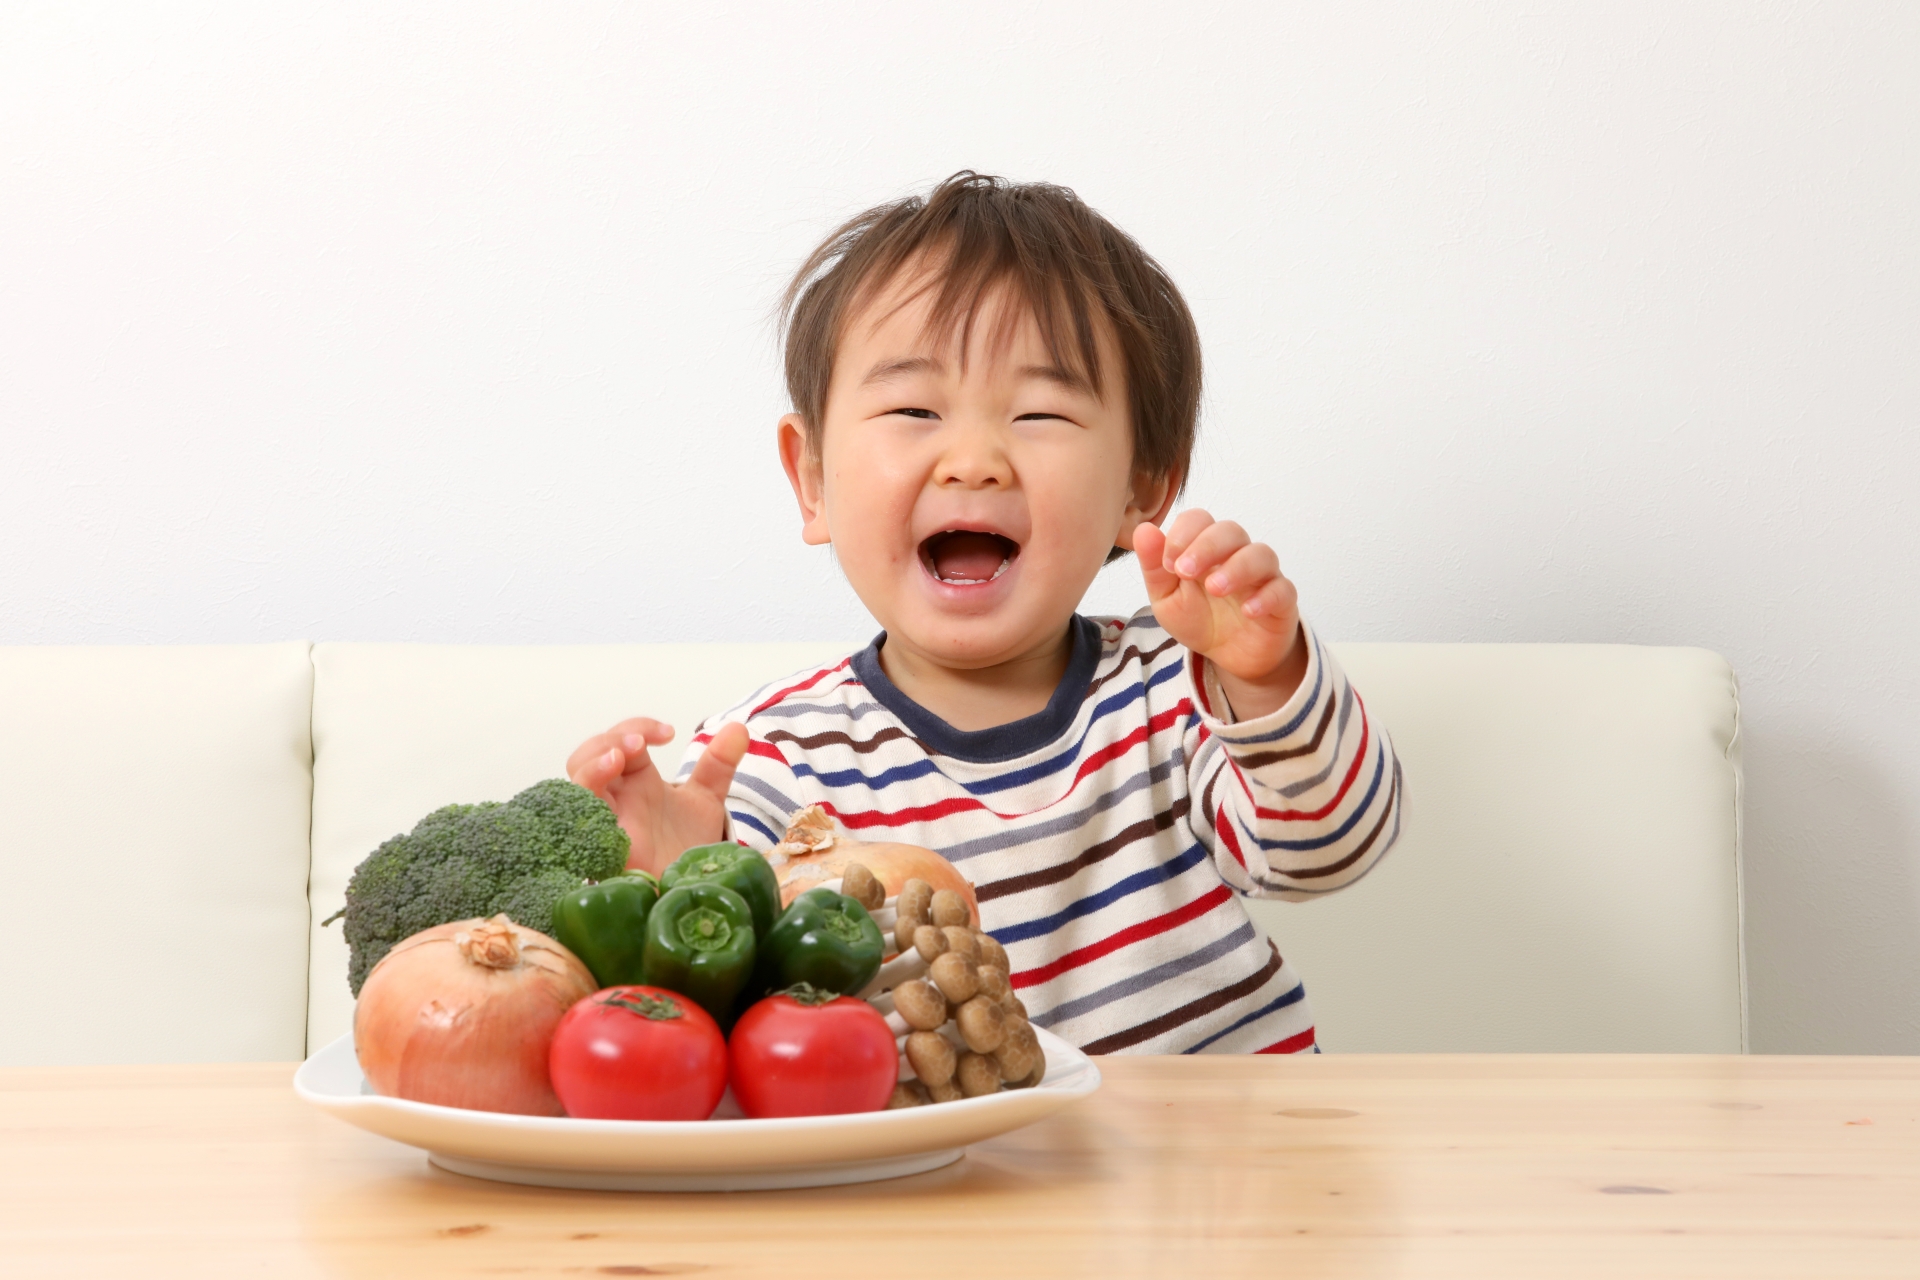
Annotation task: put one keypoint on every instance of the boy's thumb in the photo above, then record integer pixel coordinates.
(713, 771)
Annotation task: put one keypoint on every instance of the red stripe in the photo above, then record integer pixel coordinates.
(1353, 771)
(1132, 933)
(808, 683)
(1199, 677)
(1114, 750)
(1223, 823)
(900, 817)
(765, 750)
(1292, 1044)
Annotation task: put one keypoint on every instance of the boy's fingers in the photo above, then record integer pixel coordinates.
(586, 753)
(1244, 570)
(641, 731)
(1185, 528)
(713, 772)
(629, 736)
(1212, 546)
(595, 772)
(1277, 601)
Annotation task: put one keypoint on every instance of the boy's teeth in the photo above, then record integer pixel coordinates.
(970, 582)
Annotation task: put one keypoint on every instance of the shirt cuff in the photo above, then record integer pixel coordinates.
(1217, 713)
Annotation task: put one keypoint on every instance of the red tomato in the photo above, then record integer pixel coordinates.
(638, 1053)
(787, 1058)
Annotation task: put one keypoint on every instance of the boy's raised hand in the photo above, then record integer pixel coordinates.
(663, 819)
(1222, 595)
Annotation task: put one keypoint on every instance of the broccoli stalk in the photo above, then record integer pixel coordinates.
(470, 860)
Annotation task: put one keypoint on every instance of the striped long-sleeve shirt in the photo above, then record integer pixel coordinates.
(1109, 835)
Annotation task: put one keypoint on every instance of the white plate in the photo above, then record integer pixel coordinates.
(691, 1155)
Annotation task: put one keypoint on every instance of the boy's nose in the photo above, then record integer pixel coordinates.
(974, 459)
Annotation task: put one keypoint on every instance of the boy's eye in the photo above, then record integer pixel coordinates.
(916, 413)
(1036, 417)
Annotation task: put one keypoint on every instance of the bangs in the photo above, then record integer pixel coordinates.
(984, 274)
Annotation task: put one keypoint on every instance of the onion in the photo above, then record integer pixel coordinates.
(813, 853)
(461, 1015)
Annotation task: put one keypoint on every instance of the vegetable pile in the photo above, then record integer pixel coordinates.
(864, 983)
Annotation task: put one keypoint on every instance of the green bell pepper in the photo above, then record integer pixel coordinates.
(700, 944)
(605, 925)
(735, 867)
(826, 940)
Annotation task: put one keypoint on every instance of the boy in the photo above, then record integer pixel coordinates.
(995, 392)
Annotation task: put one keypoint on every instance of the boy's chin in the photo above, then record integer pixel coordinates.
(974, 640)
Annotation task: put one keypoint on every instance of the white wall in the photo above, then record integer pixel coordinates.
(1524, 322)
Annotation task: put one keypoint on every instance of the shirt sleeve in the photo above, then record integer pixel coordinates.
(1297, 803)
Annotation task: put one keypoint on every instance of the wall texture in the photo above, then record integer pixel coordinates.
(1524, 321)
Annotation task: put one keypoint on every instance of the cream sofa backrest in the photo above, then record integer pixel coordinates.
(1567, 879)
(153, 853)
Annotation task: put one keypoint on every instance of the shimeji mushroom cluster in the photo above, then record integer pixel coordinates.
(944, 990)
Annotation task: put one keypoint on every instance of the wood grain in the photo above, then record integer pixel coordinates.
(1317, 1167)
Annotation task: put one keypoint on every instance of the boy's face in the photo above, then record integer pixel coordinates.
(969, 502)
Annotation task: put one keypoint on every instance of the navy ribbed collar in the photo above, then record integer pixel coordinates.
(1003, 741)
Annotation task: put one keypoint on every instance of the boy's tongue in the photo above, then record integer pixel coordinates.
(967, 557)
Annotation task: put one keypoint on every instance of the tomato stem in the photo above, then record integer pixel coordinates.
(657, 1008)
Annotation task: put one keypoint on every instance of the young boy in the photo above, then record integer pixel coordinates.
(994, 393)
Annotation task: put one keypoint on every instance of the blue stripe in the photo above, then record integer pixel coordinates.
(1086, 906)
(1291, 997)
(1292, 726)
(854, 777)
(1360, 811)
(755, 823)
(1020, 777)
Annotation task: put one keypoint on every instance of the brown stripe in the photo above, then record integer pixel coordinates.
(1207, 806)
(1131, 651)
(1188, 1012)
(837, 738)
(1258, 758)
(1333, 868)
(1097, 853)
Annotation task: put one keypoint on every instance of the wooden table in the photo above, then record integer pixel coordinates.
(1301, 1168)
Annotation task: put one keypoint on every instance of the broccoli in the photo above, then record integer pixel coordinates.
(470, 860)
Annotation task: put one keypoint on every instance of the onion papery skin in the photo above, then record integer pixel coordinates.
(434, 1026)
(892, 864)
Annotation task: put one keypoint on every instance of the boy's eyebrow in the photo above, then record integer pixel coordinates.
(906, 366)
(1054, 373)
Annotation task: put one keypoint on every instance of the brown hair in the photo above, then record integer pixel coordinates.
(1066, 263)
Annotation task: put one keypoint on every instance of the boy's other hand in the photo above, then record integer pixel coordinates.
(1223, 596)
(663, 819)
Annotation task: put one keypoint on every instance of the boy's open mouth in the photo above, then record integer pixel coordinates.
(967, 557)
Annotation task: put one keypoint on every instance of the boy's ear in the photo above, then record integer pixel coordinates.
(808, 481)
(1151, 499)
